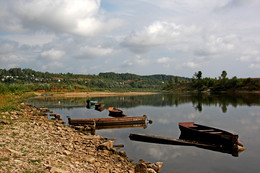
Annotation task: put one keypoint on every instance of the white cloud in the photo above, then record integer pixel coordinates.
(53, 54)
(163, 60)
(257, 66)
(136, 61)
(191, 64)
(7, 47)
(94, 51)
(158, 33)
(81, 17)
(38, 38)
(251, 57)
(52, 66)
(12, 58)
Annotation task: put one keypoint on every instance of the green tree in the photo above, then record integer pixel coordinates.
(224, 74)
(198, 75)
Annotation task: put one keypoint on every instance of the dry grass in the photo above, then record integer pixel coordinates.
(10, 102)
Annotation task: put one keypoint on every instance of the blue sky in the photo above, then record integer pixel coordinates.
(140, 36)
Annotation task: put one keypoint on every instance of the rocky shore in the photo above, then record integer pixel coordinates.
(29, 142)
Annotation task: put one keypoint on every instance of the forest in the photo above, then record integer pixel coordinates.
(24, 80)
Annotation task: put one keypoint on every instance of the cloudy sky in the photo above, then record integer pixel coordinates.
(139, 36)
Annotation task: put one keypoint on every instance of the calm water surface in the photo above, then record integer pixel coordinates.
(235, 113)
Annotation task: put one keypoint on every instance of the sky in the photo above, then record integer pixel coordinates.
(143, 37)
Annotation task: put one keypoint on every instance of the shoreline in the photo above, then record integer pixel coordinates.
(92, 94)
(31, 143)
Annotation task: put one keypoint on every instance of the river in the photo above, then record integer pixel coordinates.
(237, 113)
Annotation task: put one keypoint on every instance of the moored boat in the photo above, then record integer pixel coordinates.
(91, 102)
(197, 132)
(99, 106)
(234, 150)
(108, 121)
(113, 112)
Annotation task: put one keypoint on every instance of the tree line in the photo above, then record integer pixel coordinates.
(17, 79)
(222, 83)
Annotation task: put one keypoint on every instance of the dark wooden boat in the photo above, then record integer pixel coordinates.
(234, 150)
(196, 132)
(113, 112)
(99, 106)
(108, 121)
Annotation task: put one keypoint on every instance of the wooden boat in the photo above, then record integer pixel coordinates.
(91, 102)
(108, 121)
(192, 131)
(234, 150)
(99, 106)
(113, 112)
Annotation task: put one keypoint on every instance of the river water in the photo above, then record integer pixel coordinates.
(237, 113)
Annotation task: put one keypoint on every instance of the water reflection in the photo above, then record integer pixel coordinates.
(158, 100)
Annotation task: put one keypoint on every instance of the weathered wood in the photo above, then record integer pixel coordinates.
(234, 150)
(99, 106)
(120, 126)
(108, 121)
(192, 131)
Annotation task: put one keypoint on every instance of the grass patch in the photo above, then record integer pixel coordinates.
(5, 159)
(36, 162)
(11, 102)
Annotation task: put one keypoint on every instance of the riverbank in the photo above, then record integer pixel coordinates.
(91, 94)
(30, 142)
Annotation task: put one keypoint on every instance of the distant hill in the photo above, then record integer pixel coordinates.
(69, 81)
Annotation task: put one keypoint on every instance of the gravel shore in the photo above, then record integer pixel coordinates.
(30, 142)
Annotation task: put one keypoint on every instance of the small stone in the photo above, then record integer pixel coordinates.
(159, 164)
(141, 168)
(90, 159)
(57, 170)
(17, 161)
(66, 152)
(14, 152)
(97, 164)
(113, 150)
(106, 145)
(153, 166)
(102, 170)
(150, 170)
(122, 153)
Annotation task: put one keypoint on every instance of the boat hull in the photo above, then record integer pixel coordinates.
(113, 112)
(108, 121)
(233, 150)
(192, 131)
(99, 107)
